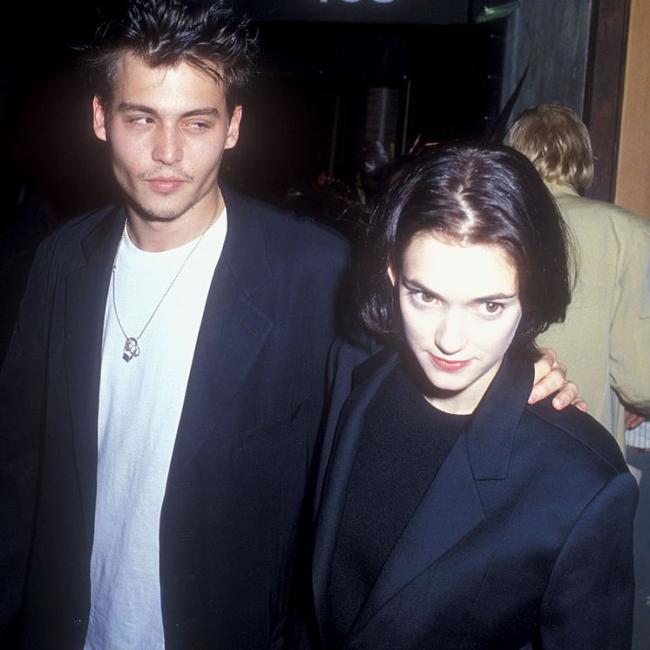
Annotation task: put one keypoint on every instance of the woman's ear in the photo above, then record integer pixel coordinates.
(392, 276)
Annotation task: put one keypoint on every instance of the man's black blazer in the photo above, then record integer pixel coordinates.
(242, 455)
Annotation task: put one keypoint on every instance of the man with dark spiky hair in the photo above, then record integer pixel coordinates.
(163, 390)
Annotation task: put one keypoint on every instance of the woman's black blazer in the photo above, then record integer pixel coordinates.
(523, 539)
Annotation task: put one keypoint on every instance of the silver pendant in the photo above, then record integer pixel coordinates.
(131, 349)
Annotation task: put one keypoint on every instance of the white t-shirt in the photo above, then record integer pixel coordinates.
(140, 403)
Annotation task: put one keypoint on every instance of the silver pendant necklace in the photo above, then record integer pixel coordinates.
(132, 343)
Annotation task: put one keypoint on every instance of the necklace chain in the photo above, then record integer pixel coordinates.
(132, 343)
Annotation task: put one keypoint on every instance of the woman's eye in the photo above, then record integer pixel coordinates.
(424, 299)
(491, 308)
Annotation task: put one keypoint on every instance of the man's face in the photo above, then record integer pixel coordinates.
(460, 311)
(167, 129)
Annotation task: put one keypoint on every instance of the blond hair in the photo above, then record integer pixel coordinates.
(557, 142)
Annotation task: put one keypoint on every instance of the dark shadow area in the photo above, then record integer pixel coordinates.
(331, 95)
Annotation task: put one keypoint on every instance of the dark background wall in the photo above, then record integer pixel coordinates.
(551, 39)
(439, 77)
(332, 94)
(422, 71)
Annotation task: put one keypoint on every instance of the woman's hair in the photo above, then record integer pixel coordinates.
(470, 195)
(205, 34)
(556, 141)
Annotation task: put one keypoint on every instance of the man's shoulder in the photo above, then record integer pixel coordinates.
(583, 212)
(304, 235)
(63, 245)
(81, 224)
(284, 231)
(75, 229)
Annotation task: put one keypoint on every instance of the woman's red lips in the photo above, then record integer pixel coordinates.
(448, 365)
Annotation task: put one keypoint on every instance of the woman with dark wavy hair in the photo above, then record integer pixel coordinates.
(453, 514)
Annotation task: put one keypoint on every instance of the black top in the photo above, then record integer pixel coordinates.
(404, 442)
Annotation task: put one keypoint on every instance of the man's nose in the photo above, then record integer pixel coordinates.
(168, 146)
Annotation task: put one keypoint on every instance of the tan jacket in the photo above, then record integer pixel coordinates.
(605, 340)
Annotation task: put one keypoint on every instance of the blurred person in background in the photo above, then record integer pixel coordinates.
(607, 329)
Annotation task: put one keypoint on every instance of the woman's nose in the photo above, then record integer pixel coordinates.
(451, 332)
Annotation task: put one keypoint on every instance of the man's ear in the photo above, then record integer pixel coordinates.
(233, 128)
(99, 118)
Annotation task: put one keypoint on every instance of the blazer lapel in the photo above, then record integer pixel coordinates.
(349, 429)
(232, 333)
(85, 304)
(450, 509)
(452, 506)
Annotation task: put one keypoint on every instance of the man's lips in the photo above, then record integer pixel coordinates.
(165, 185)
(447, 365)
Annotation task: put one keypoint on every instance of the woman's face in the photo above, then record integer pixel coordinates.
(460, 310)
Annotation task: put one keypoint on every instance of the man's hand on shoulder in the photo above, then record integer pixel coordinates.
(550, 376)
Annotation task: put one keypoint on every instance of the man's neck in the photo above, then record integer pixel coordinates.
(160, 235)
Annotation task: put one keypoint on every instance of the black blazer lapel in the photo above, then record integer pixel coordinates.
(85, 304)
(492, 430)
(232, 333)
(450, 509)
(349, 429)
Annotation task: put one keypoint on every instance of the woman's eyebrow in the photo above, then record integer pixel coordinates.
(411, 283)
(496, 296)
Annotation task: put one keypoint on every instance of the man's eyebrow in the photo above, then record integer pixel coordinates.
(130, 107)
(125, 107)
(198, 112)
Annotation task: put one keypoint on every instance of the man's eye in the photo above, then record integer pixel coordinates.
(141, 119)
(199, 126)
